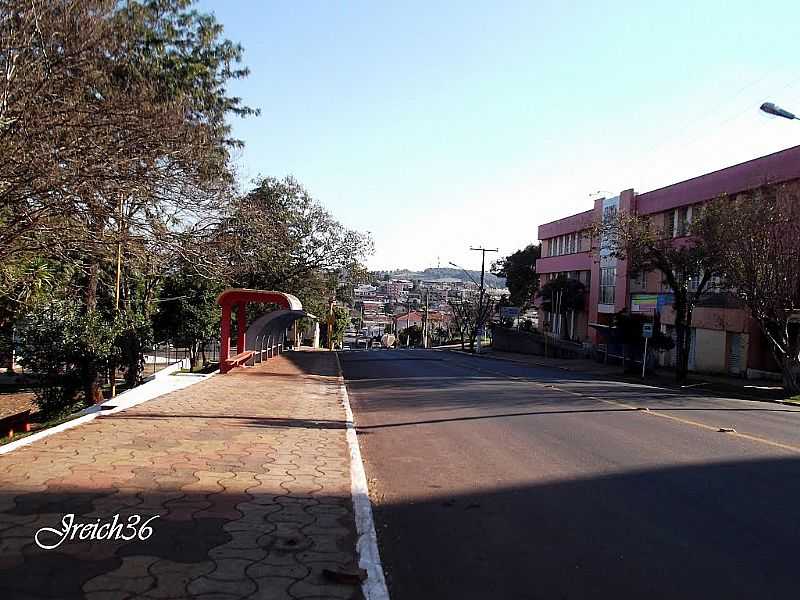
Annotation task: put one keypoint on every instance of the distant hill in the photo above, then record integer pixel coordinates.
(433, 273)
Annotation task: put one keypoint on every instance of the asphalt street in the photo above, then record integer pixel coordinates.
(491, 479)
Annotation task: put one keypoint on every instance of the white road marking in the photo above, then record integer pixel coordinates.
(374, 587)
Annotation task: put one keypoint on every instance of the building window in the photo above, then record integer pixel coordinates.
(639, 281)
(608, 277)
(677, 221)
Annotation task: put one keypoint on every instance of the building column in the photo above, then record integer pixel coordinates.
(594, 277)
(627, 203)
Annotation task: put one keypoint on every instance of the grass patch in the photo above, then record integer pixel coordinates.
(36, 427)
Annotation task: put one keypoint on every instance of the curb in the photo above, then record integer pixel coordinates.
(374, 586)
(511, 360)
(138, 395)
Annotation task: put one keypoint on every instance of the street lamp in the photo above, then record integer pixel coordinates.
(772, 109)
(465, 272)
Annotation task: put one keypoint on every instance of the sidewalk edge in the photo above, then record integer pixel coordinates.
(91, 413)
(374, 587)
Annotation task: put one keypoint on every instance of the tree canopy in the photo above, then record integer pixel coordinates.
(120, 213)
(519, 269)
(686, 265)
(758, 235)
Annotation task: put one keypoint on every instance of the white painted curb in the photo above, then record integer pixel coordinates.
(35, 437)
(374, 587)
(147, 391)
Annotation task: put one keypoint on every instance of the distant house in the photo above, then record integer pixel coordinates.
(410, 319)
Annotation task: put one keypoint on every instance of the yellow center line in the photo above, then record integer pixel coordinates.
(746, 436)
(655, 413)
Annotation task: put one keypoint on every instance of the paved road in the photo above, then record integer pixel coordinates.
(497, 480)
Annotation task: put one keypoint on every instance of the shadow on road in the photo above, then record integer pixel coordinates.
(728, 530)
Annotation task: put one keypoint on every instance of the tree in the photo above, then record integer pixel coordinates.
(279, 237)
(469, 315)
(23, 283)
(519, 270)
(563, 296)
(498, 309)
(113, 139)
(341, 319)
(758, 234)
(130, 95)
(686, 265)
(67, 347)
(411, 336)
(188, 314)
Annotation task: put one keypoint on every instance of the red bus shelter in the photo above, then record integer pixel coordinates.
(290, 308)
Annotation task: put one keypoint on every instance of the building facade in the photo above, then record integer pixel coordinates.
(724, 338)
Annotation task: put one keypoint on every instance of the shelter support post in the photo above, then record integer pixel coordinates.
(241, 322)
(225, 334)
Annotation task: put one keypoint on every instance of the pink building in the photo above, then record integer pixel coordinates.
(725, 339)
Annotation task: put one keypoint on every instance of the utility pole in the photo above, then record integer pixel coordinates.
(331, 320)
(483, 252)
(118, 279)
(425, 322)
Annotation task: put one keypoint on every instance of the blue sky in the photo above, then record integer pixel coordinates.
(436, 125)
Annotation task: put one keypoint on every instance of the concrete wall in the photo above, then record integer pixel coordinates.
(579, 261)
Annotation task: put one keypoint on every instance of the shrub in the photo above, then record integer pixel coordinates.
(68, 350)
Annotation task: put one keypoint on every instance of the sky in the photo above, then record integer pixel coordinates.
(440, 125)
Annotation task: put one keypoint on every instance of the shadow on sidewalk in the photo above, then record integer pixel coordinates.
(267, 544)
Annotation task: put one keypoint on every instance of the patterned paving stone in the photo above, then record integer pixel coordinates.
(247, 476)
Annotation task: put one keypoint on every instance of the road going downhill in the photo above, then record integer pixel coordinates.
(497, 480)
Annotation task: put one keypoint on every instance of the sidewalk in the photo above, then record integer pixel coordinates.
(247, 474)
(748, 389)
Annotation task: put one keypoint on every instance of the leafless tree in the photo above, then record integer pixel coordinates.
(759, 237)
(113, 133)
(470, 315)
(686, 265)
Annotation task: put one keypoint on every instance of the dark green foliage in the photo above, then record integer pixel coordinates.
(519, 270)
(134, 338)
(66, 348)
(563, 295)
(411, 336)
(341, 316)
(278, 237)
(188, 314)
